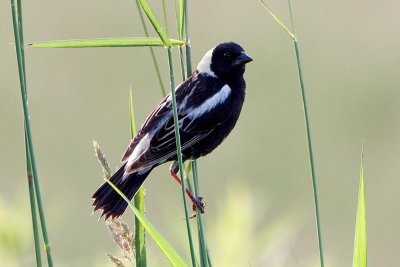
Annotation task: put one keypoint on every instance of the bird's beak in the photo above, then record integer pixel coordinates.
(242, 59)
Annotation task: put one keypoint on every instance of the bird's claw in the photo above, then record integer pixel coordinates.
(198, 203)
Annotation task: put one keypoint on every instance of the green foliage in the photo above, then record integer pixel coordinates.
(155, 22)
(140, 241)
(307, 122)
(165, 247)
(32, 175)
(181, 4)
(360, 238)
(106, 42)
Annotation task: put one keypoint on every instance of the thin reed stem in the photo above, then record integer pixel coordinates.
(140, 238)
(19, 42)
(153, 55)
(165, 16)
(204, 255)
(307, 120)
(33, 205)
(179, 154)
(202, 239)
(309, 140)
(310, 153)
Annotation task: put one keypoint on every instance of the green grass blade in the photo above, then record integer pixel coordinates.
(140, 241)
(165, 247)
(132, 122)
(164, 7)
(105, 42)
(360, 238)
(156, 24)
(276, 18)
(311, 155)
(179, 24)
(181, 6)
(19, 45)
(187, 40)
(307, 122)
(153, 55)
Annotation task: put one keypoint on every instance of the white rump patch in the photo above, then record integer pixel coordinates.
(139, 149)
(210, 103)
(205, 64)
(144, 144)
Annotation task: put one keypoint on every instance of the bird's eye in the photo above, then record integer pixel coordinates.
(227, 55)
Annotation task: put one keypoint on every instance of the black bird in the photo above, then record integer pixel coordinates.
(208, 103)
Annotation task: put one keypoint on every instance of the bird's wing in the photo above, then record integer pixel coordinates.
(199, 112)
(151, 121)
(159, 114)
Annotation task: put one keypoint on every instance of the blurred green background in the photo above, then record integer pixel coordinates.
(257, 184)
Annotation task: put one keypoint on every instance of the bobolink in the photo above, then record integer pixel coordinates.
(208, 104)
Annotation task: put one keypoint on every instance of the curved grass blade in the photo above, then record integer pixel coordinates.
(156, 24)
(307, 122)
(140, 241)
(276, 18)
(360, 238)
(106, 42)
(165, 247)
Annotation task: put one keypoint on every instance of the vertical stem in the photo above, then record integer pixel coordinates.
(310, 151)
(18, 35)
(140, 242)
(33, 205)
(182, 63)
(140, 239)
(187, 39)
(153, 56)
(179, 154)
(204, 254)
(165, 17)
(181, 58)
(202, 238)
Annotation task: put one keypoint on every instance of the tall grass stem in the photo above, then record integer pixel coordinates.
(179, 154)
(19, 42)
(153, 55)
(204, 255)
(307, 120)
(202, 239)
(164, 7)
(309, 141)
(140, 238)
(33, 206)
(311, 155)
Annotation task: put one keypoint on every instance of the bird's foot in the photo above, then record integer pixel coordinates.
(198, 203)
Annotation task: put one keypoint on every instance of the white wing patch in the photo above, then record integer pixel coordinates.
(210, 103)
(205, 64)
(144, 144)
(139, 149)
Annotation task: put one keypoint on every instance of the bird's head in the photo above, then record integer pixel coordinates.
(226, 61)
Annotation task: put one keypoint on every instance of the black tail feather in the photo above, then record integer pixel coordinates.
(108, 200)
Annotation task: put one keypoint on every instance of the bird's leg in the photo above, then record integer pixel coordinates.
(197, 201)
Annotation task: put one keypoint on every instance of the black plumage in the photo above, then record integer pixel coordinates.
(208, 103)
